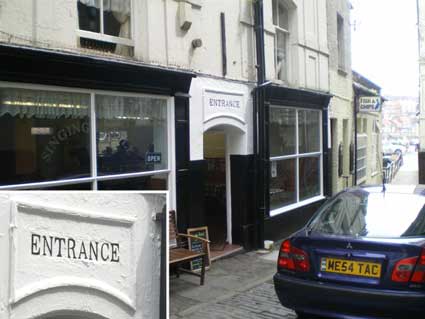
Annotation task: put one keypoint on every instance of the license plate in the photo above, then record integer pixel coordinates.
(351, 267)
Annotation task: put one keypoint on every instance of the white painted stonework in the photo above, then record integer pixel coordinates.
(220, 105)
(85, 255)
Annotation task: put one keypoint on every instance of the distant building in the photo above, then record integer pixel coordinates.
(341, 106)
(421, 39)
(367, 164)
(400, 118)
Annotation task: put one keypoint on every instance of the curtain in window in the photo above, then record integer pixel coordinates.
(43, 104)
(119, 6)
(138, 108)
(121, 11)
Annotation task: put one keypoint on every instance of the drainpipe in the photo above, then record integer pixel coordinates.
(259, 126)
(355, 134)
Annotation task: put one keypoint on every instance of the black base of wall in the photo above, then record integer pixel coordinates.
(190, 196)
(421, 166)
(281, 226)
(243, 212)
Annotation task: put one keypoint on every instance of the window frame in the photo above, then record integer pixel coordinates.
(341, 42)
(297, 156)
(94, 177)
(360, 137)
(101, 36)
(287, 33)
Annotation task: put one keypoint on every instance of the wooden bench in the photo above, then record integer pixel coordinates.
(181, 254)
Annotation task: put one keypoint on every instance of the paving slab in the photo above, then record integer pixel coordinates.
(226, 278)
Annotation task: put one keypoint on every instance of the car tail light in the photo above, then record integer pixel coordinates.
(419, 274)
(293, 258)
(403, 269)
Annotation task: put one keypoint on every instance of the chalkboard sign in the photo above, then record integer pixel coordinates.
(197, 245)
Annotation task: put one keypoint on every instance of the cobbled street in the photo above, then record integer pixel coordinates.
(259, 302)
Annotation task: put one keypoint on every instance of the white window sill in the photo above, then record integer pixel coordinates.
(105, 38)
(285, 209)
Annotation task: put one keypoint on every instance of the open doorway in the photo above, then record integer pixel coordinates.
(215, 189)
(219, 144)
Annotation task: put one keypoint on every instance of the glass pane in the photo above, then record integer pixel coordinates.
(282, 183)
(154, 182)
(282, 131)
(283, 17)
(309, 177)
(89, 15)
(275, 12)
(371, 213)
(309, 131)
(281, 64)
(44, 135)
(117, 18)
(131, 134)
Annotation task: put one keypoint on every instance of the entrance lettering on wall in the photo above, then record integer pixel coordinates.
(224, 103)
(70, 248)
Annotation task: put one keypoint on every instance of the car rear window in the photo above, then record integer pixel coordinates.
(367, 214)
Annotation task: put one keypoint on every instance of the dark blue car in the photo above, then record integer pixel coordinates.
(361, 256)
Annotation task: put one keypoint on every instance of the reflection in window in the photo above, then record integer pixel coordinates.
(309, 177)
(308, 128)
(152, 183)
(131, 134)
(282, 183)
(282, 131)
(44, 135)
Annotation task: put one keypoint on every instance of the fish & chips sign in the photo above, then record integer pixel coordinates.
(370, 104)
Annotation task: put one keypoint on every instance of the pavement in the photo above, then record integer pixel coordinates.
(408, 172)
(237, 287)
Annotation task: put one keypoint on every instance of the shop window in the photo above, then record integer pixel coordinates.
(282, 34)
(295, 157)
(105, 25)
(131, 134)
(44, 135)
(47, 141)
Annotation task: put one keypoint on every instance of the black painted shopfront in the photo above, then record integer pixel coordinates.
(73, 121)
(290, 185)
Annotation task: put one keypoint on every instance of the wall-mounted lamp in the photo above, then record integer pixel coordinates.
(196, 43)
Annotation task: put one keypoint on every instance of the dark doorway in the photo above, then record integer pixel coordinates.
(215, 189)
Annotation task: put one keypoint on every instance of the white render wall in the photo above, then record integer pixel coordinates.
(40, 286)
(308, 48)
(158, 38)
(236, 123)
(341, 87)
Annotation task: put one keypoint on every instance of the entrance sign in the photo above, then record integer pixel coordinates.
(71, 246)
(370, 104)
(218, 104)
(197, 245)
(62, 247)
